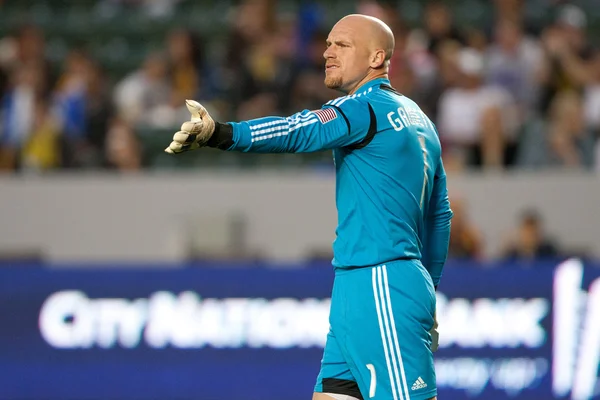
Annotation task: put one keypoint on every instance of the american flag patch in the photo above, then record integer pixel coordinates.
(326, 114)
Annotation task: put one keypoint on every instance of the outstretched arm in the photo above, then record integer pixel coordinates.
(330, 127)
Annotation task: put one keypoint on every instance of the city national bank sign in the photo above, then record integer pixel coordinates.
(530, 335)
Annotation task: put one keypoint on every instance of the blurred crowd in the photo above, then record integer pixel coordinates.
(509, 94)
(528, 240)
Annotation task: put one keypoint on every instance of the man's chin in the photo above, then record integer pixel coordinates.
(332, 83)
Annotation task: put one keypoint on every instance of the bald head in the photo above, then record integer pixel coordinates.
(376, 32)
(359, 48)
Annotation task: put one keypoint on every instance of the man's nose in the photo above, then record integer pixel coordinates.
(328, 53)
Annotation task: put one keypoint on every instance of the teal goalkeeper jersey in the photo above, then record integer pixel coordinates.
(391, 194)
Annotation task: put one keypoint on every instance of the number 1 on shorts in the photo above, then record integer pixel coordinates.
(373, 385)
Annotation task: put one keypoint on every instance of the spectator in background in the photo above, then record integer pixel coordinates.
(78, 96)
(476, 38)
(569, 53)
(439, 26)
(142, 93)
(122, 147)
(26, 91)
(519, 13)
(515, 62)
(561, 141)
(190, 77)
(465, 239)
(477, 122)
(186, 66)
(30, 50)
(25, 78)
(98, 108)
(509, 10)
(449, 70)
(251, 61)
(530, 241)
(42, 149)
(434, 73)
(431, 52)
(284, 52)
(273, 64)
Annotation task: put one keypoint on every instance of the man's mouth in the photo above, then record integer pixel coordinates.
(330, 67)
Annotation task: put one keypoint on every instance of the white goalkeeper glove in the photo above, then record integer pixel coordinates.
(194, 133)
(435, 335)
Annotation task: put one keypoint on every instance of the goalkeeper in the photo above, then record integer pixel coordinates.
(393, 214)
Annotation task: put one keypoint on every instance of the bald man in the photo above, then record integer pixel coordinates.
(393, 214)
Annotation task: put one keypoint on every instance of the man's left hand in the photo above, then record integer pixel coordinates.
(194, 133)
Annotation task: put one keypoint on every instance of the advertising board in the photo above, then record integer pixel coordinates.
(243, 333)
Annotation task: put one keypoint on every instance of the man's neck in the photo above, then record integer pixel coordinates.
(370, 76)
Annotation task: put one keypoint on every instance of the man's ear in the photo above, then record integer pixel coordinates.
(378, 59)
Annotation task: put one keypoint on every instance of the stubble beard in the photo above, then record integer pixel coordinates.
(333, 82)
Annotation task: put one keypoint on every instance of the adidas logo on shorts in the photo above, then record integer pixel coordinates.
(419, 384)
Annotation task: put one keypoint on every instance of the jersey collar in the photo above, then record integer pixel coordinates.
(372, 83)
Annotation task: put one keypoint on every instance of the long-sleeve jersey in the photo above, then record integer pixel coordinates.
(391, 194)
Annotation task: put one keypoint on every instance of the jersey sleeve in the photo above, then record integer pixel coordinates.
(437, 223)
(307, 131)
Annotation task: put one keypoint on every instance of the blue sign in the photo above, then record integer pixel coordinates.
(245, 332)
